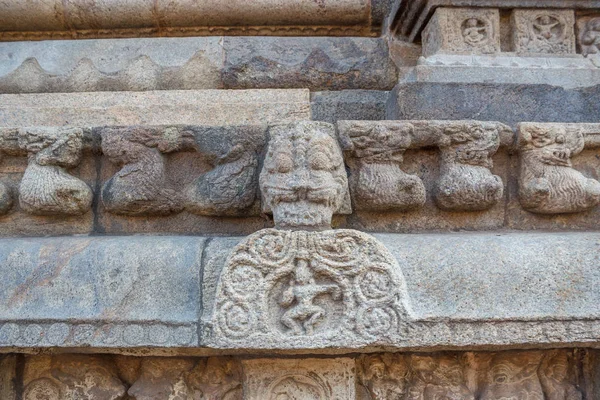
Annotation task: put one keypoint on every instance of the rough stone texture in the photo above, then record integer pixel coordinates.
(570, 72)
(307, 379)
(333, 106)
(544, 31)
(462, 31)
(205, 107)
(589, 35)
(374, 152)
(315, 63)
(8, 377)
(507, 103)
(195, 63)
(101, 292)
(78, 19)
(303, 181)
(548, 184)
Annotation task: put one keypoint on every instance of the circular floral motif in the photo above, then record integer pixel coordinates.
(9, 333)
(376, 321)
(342, 248)
(236, 320)
(375, 285)
(243, 281)
(270, 247)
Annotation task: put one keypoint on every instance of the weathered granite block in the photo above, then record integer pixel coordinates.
(462, 31)
(206, 107)
(507, 103)
(314, 63)
(333, 106)
(102, 292)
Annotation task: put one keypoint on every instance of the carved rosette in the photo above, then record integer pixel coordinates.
(543, 31)
(548, 183)
(298, 286)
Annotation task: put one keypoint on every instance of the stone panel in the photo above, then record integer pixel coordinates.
(208, 107)
(307, 379)
(333, 106)
(462, 31)
(544, 31)
(315, 63)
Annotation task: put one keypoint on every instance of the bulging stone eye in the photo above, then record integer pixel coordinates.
(319, 161)
(284, 163)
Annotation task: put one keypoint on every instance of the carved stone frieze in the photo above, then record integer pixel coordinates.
(309, 287)
(466, 182)
(548, 183)
(9, 145)
(374, 152)
(440, 377)
(462, 31)
(543, 31)
(230, 188)
(589, 35)
(303, 180)
(299, 379)
(140, 187)
(46, 187)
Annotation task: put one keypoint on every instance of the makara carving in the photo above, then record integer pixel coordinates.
(47, 188)
(590, 37)
(466, 182)
(543, 31)
(231, 186)
(374, 154)
(548, 183)
(140, 187)
(307, 281)
(303, 181)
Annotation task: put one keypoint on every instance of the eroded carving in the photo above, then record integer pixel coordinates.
(466, 182)
(440, 377)
(312, 284)
(557, 376)
(385, 376)
(231, 186)
(303, 181)
(374, 154)
(513, 376)
(9, 145)
(590, 37)
(462, 31)
(47, 188)
(140, 187)
(543, 31)
(548, 183)
(76, 377)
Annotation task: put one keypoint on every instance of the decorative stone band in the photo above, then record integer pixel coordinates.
(77, 19)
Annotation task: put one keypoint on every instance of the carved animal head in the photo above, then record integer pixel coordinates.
(553, 144)
(303, 180)
(61, 147)
(442, 370)
(470, 143)
(514, 376)
(383, 142)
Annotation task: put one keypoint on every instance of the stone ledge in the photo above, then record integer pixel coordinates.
(510, 290)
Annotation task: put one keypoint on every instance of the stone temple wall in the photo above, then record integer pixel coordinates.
(289, 199)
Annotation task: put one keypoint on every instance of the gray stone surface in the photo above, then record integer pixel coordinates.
(507, 103)
(102, 292)
(314, 63)
(508, 289)
(194, 107)
(332, 63)
(333, 106)
(569, 72)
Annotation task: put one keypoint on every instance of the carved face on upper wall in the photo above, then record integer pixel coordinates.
(303, 181)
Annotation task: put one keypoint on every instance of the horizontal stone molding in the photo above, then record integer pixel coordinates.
(77, 19)
(510, 290)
